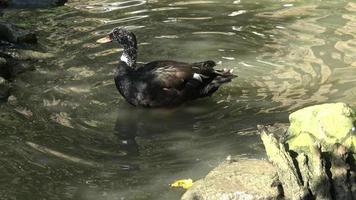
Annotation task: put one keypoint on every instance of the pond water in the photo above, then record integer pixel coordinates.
(83, 141)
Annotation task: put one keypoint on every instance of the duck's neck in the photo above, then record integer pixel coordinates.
(129, 55)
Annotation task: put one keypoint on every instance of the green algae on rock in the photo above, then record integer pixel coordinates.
(326, 124)
(317, 164)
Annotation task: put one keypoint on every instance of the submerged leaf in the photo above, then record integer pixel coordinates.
(183, 183)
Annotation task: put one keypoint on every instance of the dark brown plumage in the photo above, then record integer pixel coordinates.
(163, 83)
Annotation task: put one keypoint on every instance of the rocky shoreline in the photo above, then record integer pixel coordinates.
(17, 44)
(13, 41)
(314, 158)
(18, 53)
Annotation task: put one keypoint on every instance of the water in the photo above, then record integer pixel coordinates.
(83, 141)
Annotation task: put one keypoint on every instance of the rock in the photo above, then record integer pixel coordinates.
(33, 3)
(293, 187)
(20, 67)
(12, 56)
(2, 81)
(3, 67)
(317, 159)
(2, 62)
(11, 67)
(12, 100)
(327, 124)
(3, 4)
(12, 33)
(244, 179)
(4, 89)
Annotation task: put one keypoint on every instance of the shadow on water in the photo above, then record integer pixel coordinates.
(195, 117)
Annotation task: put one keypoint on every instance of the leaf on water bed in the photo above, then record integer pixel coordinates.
(182, 183)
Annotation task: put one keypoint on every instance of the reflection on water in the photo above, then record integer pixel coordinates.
(71, 136)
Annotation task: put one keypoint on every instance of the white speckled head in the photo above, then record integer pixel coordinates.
(128, 41)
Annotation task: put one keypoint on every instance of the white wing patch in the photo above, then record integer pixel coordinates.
(198, 77)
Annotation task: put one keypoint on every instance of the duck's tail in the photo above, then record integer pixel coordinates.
(214, 85)
(222, 76)
(225, 75)
(207, 68)
(210, 77)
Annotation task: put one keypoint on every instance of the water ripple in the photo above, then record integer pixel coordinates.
(72, 117)
(213, 33)
(182, 3)
(104, 6)
(126, 19)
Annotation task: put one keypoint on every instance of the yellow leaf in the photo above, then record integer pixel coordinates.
(183, 183)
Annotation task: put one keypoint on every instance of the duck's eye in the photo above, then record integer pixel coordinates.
(111, 37)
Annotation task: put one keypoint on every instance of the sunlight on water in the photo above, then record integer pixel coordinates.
(70, 135)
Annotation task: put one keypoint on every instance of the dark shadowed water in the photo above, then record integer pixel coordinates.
(83, 141)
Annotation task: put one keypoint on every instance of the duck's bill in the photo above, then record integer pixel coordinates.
(104, 40)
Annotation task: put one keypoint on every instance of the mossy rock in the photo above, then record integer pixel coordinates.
(326, 124)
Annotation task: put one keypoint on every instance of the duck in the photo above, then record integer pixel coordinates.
(162, 83)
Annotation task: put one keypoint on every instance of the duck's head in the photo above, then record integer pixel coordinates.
(127, 40)
(122, 36)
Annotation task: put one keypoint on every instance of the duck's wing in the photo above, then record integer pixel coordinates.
(166, 74)
(184, 79)
(172, 74)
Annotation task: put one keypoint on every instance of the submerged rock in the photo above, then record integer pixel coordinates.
(244, 179)
(15, 34)
(10, 67)
(16, 56)
(2, 62)
(3, 67)
(4, 89)
(12, 100)
(3, 4)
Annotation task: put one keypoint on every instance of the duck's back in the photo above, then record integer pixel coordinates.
(168, 83)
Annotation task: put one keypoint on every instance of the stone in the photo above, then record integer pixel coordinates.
(4, 89)
(12, 100)
(2, 81)
(326, 124)
(12, 67)
(3, 67)
(316, 159)
(12, 33)
(243, 179)
(3, 4)
(2, 61)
